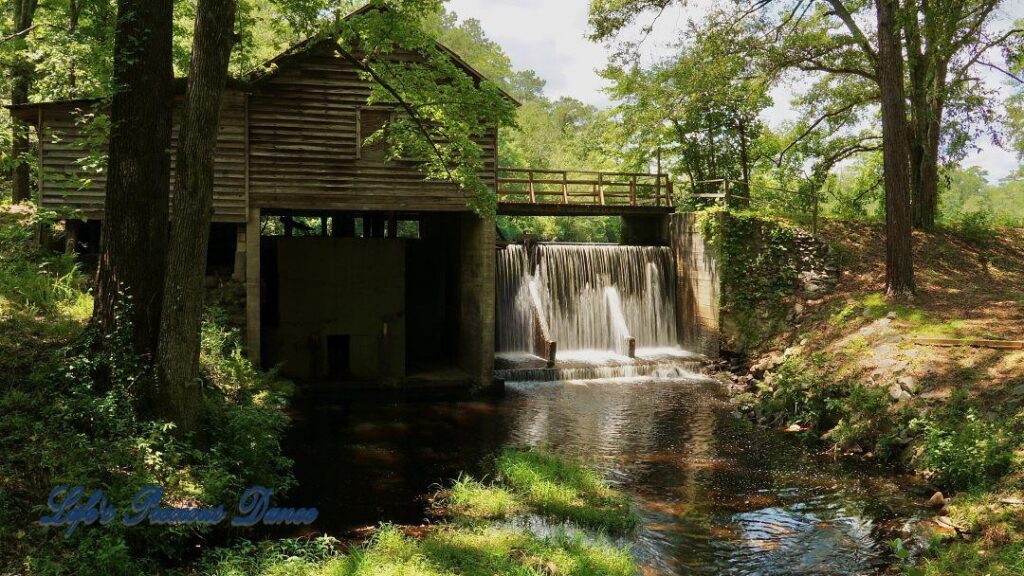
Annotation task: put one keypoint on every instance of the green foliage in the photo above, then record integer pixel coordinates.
(758, 270)
(972, 558)
(75, 422)
(445, 110)
(975, 227)
(71, 418)
(962, 449)
(846, 414)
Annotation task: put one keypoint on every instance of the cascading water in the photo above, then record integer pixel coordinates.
(592, 298)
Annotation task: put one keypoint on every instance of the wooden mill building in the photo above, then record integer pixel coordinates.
(356, 269)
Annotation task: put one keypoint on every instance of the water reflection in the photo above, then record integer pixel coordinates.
(716, 495)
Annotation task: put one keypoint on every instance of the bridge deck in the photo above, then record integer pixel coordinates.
(527, 191)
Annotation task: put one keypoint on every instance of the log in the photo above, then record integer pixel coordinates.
(973, 342)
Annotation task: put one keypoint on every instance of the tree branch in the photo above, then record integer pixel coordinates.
(1003, 70)
(409, 108)
(815, 124)
(851, 25)
(16, 34)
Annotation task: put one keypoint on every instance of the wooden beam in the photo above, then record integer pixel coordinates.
(252, 285)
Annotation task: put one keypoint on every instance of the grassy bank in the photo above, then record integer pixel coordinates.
(545, 485)
(470, 539)
(70, 418)
(849, 377)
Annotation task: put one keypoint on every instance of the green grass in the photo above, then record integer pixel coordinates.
(970, 558)
(547, 485)
(471, 498)
(471, 544)
(445, 551)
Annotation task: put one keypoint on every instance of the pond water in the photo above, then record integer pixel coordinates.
(716, 495)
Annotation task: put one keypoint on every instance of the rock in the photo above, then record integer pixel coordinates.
(891, 315)
(758, 369)
(946, 522)
(803, 342)
(908, 384)
(898, 394)
(937, 501)
(798, 308)
(794, 428)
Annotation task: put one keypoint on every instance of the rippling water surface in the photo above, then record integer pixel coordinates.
(717, 496)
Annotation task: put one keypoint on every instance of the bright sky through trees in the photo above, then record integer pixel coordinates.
(549, 37)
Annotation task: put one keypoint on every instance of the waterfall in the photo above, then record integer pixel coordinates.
(589, 296)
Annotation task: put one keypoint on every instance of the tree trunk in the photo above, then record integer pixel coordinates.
(930, 158)
(899, 276)
(918, 127)
(180, 322)
(21, 83)
(132, 257)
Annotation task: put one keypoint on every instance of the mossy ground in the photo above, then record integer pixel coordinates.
(960, 423)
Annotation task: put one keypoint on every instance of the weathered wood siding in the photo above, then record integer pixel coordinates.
(301, 128)
(304, 126)
(66, 184)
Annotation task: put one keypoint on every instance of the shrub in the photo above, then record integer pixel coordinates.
(976, 227)
(66, 426)
(962, 450)
(846, 413)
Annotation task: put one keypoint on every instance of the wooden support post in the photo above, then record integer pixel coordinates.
(657, 182)
(71, 233)
(632, 191)
(392, 226)
(565, 187)
(533, 191)
(600, 188)
(552, 352)
(238, 274)
(252, 285)
(323, 226)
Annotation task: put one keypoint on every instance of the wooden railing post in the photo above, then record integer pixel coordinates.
(607, 189)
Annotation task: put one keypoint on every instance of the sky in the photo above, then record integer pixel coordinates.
(549, 37)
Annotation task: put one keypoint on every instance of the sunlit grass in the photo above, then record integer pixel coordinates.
(565, 490)
(544, 484)
(445, 551)
(473, 499)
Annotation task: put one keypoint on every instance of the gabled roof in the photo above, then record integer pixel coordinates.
(267, 70)
(28, 112)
